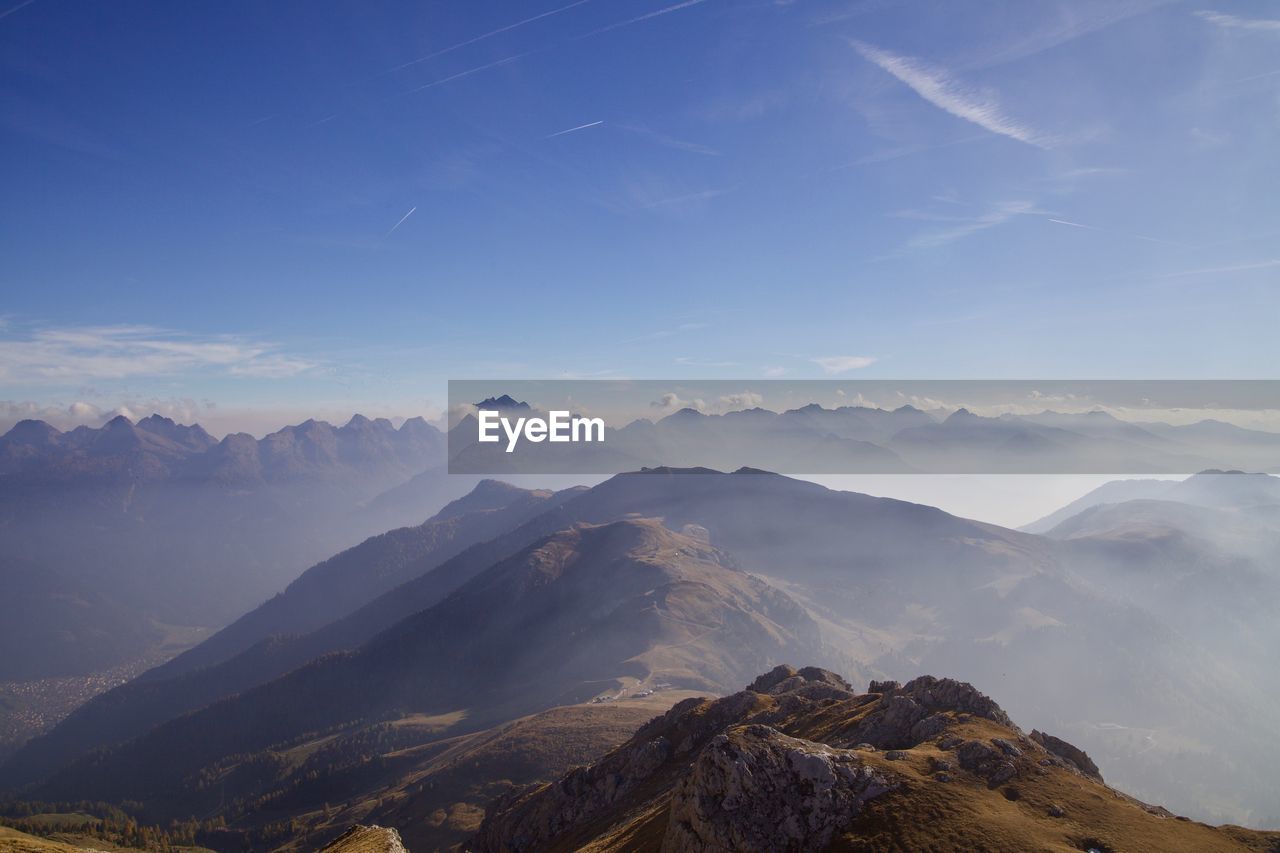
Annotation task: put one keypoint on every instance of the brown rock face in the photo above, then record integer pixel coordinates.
(799, 762)
(754, 788)
(366, 839)
(1076, 756)
(904, 716)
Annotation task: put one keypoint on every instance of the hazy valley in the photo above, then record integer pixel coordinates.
(419, 675)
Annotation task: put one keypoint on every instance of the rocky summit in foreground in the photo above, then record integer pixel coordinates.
(798, 761)
(366, 839)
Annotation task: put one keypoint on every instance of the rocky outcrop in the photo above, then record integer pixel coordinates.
(783, 791)
(531, 818)
(366, 839)
(1077, 757)
(905, 716)
(785, 679)
(799, 762)
(754, 788)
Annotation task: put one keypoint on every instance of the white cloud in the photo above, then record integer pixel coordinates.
(1232, 22)
(745, 400)
(939, 87)
(843, 363)
(672, 402)
(774, 372)
(73, 355)
(82, 413)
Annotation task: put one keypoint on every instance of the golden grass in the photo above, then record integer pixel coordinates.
(13, 841)
(966, 814)
(926, 815)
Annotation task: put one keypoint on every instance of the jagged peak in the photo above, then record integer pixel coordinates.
(961, 415)
(787, 763)
(366, 839)
(506, 401)
(30, 429)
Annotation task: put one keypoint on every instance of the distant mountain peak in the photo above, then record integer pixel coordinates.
(962, 415)
(506, 401)
(32, 432)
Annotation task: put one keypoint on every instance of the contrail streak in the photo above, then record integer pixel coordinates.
(572, 129)
(469, 72)
(1113, 233)
(479, 38)
(16, 8)
(666, 10)
(402, 219)
(663, 11)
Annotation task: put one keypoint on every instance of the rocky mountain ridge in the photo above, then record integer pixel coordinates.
(799, 761)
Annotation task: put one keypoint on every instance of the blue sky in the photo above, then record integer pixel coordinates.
(249, 213)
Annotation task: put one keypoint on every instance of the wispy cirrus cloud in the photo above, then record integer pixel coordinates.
(834, 364)
(670, 141)
(938, 86)
(959, 227)
(1233, 22)
(72, 355)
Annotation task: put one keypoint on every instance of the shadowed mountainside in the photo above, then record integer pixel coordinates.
(891, 588)
(559, 622)
(160, 524)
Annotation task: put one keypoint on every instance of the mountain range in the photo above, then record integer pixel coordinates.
(399, 675)
(111, 535)
(510, 602)
(863, 440)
